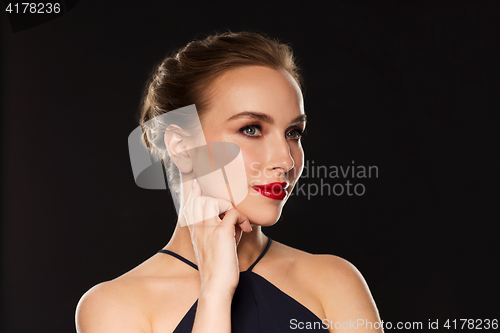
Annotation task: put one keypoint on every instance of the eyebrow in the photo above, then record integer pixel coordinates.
(299, 119)
(264, 117)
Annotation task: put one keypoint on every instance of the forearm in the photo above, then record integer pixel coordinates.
(213, 314)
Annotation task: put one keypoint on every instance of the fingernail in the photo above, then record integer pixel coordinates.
(193, 184)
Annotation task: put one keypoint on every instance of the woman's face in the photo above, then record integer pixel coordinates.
(262, 111)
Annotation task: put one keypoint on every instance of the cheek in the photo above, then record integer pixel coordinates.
(229, 180)
(253, 166)
(213, 185)
(298, 158)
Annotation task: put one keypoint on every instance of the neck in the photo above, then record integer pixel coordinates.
(249, 248)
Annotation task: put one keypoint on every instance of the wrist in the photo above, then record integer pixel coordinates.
(216, 293)
(213, 312)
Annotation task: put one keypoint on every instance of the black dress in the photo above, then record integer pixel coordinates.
(259, 306)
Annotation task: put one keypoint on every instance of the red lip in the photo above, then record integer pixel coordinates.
(274, 191)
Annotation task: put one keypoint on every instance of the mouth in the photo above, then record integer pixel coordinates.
(276, 191)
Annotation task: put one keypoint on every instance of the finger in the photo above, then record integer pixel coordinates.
(237, 234)
(223, 206)
(214, 207)
(188, 208)
(211, 212)
(196, 189)
(233, 217)
(198, 209)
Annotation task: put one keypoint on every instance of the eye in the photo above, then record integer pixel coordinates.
(295, 134)
(251, 130)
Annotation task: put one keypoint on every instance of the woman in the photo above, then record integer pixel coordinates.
(219, 272)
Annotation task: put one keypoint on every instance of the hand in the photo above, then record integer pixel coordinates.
(214, 239)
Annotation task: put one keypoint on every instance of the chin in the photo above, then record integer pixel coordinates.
(261, 212)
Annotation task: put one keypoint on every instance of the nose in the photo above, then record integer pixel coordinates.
(280, 157)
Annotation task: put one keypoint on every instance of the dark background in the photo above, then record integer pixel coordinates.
(410, 87)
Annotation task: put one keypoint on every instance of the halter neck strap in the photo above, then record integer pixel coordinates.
(261, 255)
(181, 258)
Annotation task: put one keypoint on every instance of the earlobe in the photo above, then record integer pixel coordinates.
(176, 148)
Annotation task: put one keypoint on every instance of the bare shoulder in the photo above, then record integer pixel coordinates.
(337, 284)
(110, 307)
(322, 266)
(151, 297)
(334, 272)
(344, 294)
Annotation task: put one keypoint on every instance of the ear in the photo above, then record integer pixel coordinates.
(176, 148)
